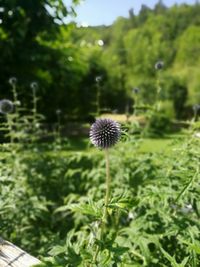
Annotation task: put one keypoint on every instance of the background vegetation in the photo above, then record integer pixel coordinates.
(66, 59)
(52, 185)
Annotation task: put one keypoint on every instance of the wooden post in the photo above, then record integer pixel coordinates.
(12, 256)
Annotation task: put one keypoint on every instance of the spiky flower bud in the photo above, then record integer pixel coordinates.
(105, 133)
(159, 65)
(12, 81)
(6, 106)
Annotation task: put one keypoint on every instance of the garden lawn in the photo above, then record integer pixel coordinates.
(146, 145)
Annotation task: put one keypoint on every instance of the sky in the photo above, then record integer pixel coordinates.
(105, 12)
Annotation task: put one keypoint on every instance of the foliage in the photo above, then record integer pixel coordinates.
(154, 224)
(36, 44)
(51, 198)
(133, 45)
(56, 202)
(158, 124)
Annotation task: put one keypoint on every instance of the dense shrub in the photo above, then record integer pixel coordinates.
(158, 124)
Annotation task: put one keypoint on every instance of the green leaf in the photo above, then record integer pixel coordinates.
(172, 260)
(57, 250)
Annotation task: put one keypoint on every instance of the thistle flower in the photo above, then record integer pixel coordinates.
(98, 79)
(34, 86)
(135, 90)
(105, 133)
(12, 81)
(196, 108)
(6, 106)
(159, 65)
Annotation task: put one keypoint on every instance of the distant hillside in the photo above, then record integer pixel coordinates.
(133, 45)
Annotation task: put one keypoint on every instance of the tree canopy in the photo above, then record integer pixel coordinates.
(37, 45)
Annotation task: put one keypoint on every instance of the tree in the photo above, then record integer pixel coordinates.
(178, 93)
(28, 31)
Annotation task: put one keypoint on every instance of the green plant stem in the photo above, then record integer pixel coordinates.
(10, 125)
(34, 107)
(185, 188)
(158, 102)
(58, 130)
(135, 106)
(15, 97)
(98, 99)
(106, 201)
(108, 180)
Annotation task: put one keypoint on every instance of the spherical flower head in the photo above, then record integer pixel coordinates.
(136, 90)
(6, 106)
(58, 111)
(105, 133)
(98, 79)
(12, 81)
(159, 65)
(34, 86)
(196, 107)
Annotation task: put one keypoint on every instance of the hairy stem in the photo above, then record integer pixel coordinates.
(15, 97)
(10, 125)
(159, 88)
(108, 180)
(106, 201)
(98, 100)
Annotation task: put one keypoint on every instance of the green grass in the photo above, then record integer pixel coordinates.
(146, 145)
(155, 145)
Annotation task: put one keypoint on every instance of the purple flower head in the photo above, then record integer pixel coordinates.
(159, 65)
(136, 90)
(105, 133)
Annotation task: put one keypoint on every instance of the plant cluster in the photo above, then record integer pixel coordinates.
(87, 210)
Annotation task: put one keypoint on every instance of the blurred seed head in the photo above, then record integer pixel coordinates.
(187, 209)
(98, 79)
(197, 135)
(6, 106)
(17, 103)
(58, 111)
(114, 111)
(12, 81)
(196, 108)
(131, 216)
(159, 65)
(105, 133)
(34, 86)
(136, 90)
(37, 125)
(100, 42)
(70, 59)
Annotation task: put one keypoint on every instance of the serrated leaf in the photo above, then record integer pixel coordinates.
(57, 250)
